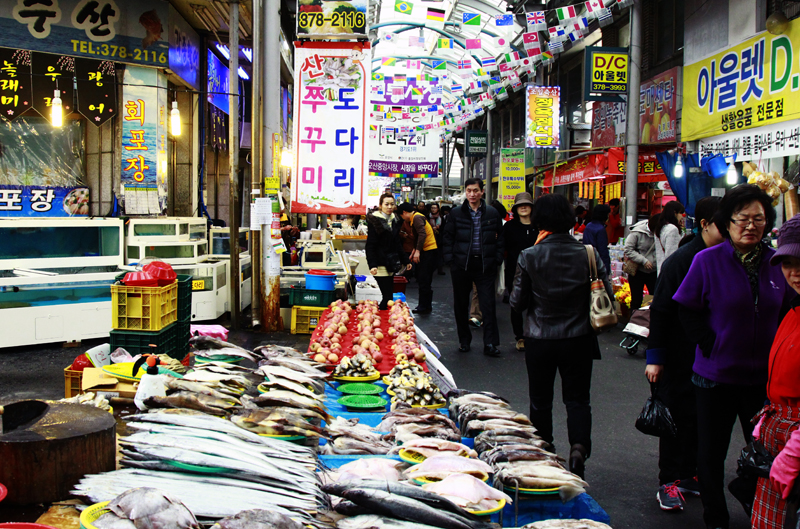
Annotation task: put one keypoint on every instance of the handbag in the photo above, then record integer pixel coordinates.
(601, 311)
(630, 267)
(655, 418)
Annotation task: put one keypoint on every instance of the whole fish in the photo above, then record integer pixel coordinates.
(271, 423)
(370, 468)
(406, 432)
(149, 508)
(207, 342)
(408, 509)
(193, 401)
(178, 384)
(292, 374)
(257, 519)
(476, 426)
(375, 521)
(431, 447)
(110, 520)
(567, 524)
(468, 492)
(440, 467)
(276, 382)
(351, 446)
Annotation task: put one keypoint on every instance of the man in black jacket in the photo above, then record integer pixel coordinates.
(473, 248)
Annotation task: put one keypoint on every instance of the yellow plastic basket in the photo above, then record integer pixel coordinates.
(305, 319)
(92, 513)
(143, 308)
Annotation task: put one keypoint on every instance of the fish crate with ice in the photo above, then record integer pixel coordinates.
(637, 329)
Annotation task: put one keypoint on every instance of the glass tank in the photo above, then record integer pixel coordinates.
(221, 242)
(49, 242)
(54, 294)
(175, 228)
(169, 251)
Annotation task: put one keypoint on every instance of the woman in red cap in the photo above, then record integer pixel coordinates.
(778, 427)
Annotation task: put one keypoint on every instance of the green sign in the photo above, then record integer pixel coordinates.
(476, 143)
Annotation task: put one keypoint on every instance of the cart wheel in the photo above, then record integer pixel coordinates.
(632, 350)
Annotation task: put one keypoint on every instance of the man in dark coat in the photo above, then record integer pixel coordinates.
(473, 248)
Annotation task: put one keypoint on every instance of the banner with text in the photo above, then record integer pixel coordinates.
(416, 155)
(576, 170)
(42, 201)
(649, 168)
(770, 141)
(405, 93)
(330, 128)
(748, 85)
(512, 175)
(542, 116)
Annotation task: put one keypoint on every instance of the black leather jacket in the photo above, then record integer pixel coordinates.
(457, 238)
(383, 247)
(552, 284)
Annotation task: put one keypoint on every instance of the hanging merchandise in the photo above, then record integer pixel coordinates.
(330, 128)
(15, 83)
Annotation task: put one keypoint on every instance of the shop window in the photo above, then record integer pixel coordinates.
(790, 9)
(34, 153)
(669, 29)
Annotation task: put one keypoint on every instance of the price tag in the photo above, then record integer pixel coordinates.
(198, 284)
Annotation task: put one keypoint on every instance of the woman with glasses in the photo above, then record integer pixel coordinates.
(730, 306)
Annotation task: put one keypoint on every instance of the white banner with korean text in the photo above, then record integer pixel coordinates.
(330, 128)
(769, 141)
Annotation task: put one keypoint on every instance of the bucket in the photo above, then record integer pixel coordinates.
(400, 283)
(715, 165)
(320, 280)
(361, 278)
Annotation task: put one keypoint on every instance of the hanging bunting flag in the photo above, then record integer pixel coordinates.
(464, 64)
(592, 7)
(557, 33)
(377, 77)
(473, 44)
(472, 19)
(579, 23)
(416, 41)
(389, 37)
(444, 43)
(388, 61)
(413, 64)
(438, 65)
(604, 17)
(457, 88)
(403, 6)
(530, 40)
(566, 13)
(556, 46)
(488, 61)
(504, 20)
(536, 21)
(501, 42)
(399, 78)
(436, 15)
(575, 36)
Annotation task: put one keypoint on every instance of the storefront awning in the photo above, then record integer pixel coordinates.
(577, 170)
(649, 168)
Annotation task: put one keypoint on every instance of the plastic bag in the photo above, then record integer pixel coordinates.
(754, 461)
(655, 418)
(501, 279)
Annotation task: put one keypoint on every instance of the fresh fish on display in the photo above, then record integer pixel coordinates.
(213, 346)
(431, 447)
(147, 507)
(567, 524)
(376, 468)
(404, 433)
(518, 452)
(359, 365)
(351, 438)
(281, 383)
(540, 475)
(269, 422)
(236, 381)
(110, 520)
(90, 399)
(458, 393)
(484, 443)
(258, 519)
(439, 467)
(406, 414)
(301, 377)
(468, 492)
(178, 384)
(269, 350)
(303, 365)
(288, 399)
(376, 521)
(473, 428)
(193, 401)
(350, 446)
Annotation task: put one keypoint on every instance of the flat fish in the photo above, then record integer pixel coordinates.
(257, 519)
(440, 467)
(148, 507)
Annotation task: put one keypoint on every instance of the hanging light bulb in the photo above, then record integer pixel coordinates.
(175, 119)
(56, 110)
(287, 158)
(733, 176)
(678, 171)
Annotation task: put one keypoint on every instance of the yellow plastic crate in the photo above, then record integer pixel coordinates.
(143, 308)
(72, 382)
(305, 319)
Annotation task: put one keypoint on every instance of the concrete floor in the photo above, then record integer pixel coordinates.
(622, 472)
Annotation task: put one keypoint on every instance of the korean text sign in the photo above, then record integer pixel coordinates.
(574, 171)
(330, 127)
(112, 30)
(512, 175)
(649, 168)
(542, 116)
(749, 85)
(608, 69)
(41, 201)
(416, 154)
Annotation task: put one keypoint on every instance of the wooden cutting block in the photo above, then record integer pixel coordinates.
(45, 449)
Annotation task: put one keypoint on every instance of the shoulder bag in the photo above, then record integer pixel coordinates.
(601, 310)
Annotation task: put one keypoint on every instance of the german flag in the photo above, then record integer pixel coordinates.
(435, 15)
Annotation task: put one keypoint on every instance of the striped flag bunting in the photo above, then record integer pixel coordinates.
(388, 61)
(464, 64)
(566, 13)
(445, 43)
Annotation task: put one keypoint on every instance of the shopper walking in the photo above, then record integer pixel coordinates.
(519, 234)
(614, 227)
(552, 284)
(670, 356)
(385, 255)
(595, 234)
(779, 428)
(436, 218)
(640, 249)
(581, 218)
(667, 231)
(473, 248)
(424, 255)
(730, 301)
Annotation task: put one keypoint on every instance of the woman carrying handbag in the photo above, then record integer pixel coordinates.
(384, 249)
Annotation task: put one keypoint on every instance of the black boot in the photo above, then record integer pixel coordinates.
(577, 460)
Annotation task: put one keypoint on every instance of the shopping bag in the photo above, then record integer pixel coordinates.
(655, 418)
(754, 461)
(501, 279)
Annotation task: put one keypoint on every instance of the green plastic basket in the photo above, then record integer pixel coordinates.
(362, 402)
(359, 388)
(199, 468)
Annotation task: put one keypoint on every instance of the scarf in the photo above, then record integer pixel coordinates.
(389, 221)
(751, 262)
(541, 237)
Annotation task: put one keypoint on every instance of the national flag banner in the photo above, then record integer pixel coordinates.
(604, 17)
(471, 19)
(505, 68)
(509, 58)
(504, 20)
(373, 128)
(464, 64)
(444, 43)
(579, 23)
(532, 53)
(388, 61)
(438, 65)
(399, 78)
(566, 13)
(557, 33)
(501, 41)
(575, 36)
(403, 6)
(536, 21)
(377, 77)
(473, 44)
(377, 108)
(413, 110)
(413, 64)
(389, 37)
(488, 61)
(457, 88)
(593, 6)
(405, 115)
(397, 109)
(416, 41)
(466, 74)
(416, 91)
(435, 15)
(530, 40)
(437, 89)
(556, 46)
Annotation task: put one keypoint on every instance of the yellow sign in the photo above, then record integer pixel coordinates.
(198, 284)
(609, 72)
(512, 175)
(749, 85)
(272, 184)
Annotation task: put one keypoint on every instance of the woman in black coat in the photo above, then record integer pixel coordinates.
(385, 255)
(519, 234)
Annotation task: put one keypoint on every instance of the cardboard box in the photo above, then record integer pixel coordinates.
(96, 380)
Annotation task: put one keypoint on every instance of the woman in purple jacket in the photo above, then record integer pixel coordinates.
(731, 302)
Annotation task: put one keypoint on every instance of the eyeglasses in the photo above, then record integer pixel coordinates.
(744, 223)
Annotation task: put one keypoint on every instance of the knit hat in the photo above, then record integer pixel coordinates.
(788, 240)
